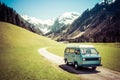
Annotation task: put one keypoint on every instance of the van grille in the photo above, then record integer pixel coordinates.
(91, 59)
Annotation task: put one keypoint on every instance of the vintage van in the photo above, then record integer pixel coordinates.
(82, 56)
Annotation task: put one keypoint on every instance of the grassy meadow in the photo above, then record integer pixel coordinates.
(110, 53)
(19, 57)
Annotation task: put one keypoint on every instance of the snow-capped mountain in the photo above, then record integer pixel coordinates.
(63, 20)
(52, 25)
(42, 25)
(107, 1)
(68, 17)
(37, 21)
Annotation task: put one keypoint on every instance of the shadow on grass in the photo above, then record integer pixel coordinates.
(71, 69)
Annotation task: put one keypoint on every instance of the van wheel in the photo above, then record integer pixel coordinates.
(76, 66)
(93, 68)
(66, 62)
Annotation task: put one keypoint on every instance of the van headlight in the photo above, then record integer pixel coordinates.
(83, 59)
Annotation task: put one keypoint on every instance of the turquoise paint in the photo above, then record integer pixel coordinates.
(83, 56)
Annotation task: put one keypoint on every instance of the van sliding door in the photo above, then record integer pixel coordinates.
(72, 55)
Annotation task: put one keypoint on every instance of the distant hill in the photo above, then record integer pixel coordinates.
(99, 24)
(9, 15)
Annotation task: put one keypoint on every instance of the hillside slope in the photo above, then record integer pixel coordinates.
(102, 20)
(19, 58)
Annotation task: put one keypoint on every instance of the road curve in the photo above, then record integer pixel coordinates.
(85, 73)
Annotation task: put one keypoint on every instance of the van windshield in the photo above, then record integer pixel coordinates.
(88, 51)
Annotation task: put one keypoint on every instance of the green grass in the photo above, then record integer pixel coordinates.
(19, 57)
(110, 53)
(58, 49)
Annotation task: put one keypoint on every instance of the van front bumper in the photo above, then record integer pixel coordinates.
(90, 63)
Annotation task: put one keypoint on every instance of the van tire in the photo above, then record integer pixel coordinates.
(76, 65)
(66, 62)
(93, 68)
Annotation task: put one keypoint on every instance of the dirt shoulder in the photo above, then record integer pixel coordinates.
(85, 73)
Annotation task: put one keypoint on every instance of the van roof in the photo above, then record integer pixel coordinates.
(81, 46)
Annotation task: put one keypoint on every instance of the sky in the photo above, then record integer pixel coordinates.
(47, 9)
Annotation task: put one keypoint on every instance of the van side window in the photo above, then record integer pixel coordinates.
(77, 51)
(72, 50)
(67, 50)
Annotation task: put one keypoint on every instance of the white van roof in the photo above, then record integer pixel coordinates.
(91, 46)
(82, 46)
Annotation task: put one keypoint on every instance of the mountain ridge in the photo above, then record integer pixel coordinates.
(49, 26)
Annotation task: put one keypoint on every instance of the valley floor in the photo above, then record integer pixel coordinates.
(85, 73)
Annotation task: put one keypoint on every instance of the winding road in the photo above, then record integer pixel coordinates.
(85, 73)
